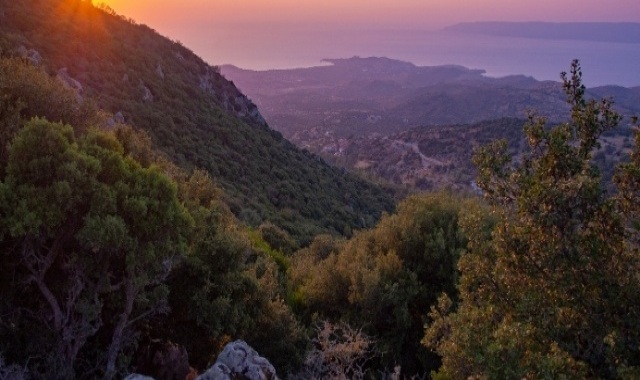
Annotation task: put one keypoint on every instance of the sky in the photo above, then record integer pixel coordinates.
(435, 14)
(266, 34)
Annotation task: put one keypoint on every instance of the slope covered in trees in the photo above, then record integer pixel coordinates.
(192, 113)
(101, 237)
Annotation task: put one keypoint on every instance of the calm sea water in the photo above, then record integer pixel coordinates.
(602, 63)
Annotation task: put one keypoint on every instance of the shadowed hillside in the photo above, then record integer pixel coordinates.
(193, 114)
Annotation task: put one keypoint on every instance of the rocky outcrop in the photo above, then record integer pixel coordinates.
(159, 71)
(228, 96)
(118, 118)
(31, 55)
(69, 82)
(147, 95)
(136, 376)
(238, 361)
(207, 81)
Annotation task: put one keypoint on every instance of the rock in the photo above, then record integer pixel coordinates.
(147, 96)
(136, 376)
(159, 71)
(119, 117)
(207, 81)
(238, 361)
(66, 79)
(218, 371)
(31, 55)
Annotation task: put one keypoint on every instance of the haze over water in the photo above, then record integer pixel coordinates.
(256, 34)
(603, 62)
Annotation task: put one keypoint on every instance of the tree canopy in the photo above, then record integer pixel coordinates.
(553, 290)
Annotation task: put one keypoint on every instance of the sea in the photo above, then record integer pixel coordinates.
(603, 63)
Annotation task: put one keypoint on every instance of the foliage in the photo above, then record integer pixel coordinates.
(102, 236)
(27, 92)
(277, 238)
(87, 235)
(384, 279)
(194, 115)
(340, 352)
(552, 292)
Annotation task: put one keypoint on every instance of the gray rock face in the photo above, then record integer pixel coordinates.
(135, 376)
(207, 81)
(147, 95)
(66, 79)
(30, 54)
(159, 71)
(119, 117)
(239, 361)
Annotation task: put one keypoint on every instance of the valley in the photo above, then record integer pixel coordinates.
(410, 125)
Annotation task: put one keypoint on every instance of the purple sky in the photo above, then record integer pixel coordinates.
(261, 34)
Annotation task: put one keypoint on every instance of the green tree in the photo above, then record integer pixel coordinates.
(385, 279)
(88, 235)
(553, 290)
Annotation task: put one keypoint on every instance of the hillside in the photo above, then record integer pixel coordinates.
(411, 125)
(193, 114)
(429, 158)
(365, 96)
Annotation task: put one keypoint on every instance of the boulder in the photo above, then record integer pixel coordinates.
(69, 82)
(137, 376)
(31, 55)
(159, 71)
(238, 361)
(119, 117)
(147, 96)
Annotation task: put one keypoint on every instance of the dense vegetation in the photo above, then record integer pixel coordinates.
(101, 236)
(111, 240)
(553, 291)
(193, 114)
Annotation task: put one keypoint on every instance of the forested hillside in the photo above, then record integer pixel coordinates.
(192, 113)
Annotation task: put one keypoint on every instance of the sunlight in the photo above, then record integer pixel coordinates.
(81, 11)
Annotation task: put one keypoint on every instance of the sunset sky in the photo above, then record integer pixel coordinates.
(261, 34)
(172, 14)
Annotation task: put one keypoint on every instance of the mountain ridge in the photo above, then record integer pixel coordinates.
(193, 114)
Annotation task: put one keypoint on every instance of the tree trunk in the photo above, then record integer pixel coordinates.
(118, 332)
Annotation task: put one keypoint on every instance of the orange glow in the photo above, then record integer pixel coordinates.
(369, 13)
(82, 12)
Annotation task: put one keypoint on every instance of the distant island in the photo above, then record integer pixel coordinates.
(585, 31)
